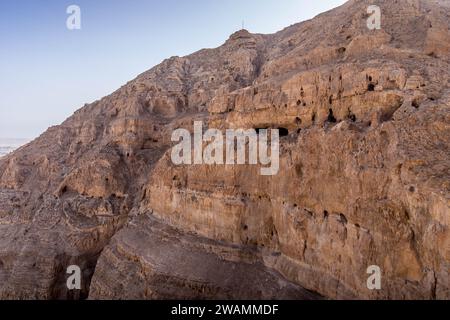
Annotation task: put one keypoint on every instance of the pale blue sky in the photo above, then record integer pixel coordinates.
(48, 72)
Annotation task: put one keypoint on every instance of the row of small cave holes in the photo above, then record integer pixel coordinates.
(370, 87)
(331, 118)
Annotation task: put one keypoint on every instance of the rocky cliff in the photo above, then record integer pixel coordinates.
(364, 172)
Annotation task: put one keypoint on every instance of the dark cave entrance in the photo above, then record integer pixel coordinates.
(283, 132)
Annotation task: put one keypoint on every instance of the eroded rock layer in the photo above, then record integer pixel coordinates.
(363, 180)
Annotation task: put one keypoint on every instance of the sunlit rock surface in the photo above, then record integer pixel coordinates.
(364, 173)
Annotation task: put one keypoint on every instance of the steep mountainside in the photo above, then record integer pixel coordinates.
(364, 172)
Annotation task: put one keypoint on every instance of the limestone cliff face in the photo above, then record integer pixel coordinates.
(364, 172)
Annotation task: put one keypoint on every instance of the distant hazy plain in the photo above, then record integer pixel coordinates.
(8, 145)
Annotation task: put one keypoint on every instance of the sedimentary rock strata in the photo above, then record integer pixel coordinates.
(363, 180)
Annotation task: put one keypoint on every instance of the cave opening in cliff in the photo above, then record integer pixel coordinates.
(351, 116)
(343, 219)
(283, 132)
(371, 87)
(415, 103)
(331, 118)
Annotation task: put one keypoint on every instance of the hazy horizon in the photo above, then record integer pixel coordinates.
(49, 71)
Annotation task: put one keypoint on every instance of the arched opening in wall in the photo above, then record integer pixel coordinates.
(371, 87)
